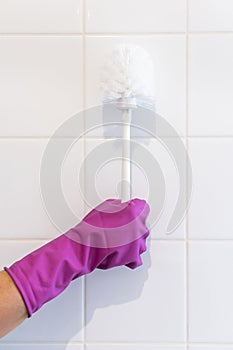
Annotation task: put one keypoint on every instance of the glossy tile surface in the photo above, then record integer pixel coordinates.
(135, 16)
(63, 16)
(210, 85)
(210, 214)
(210, 292)
(120, 301)
(41, 83)
(210, 15)
(29, 191)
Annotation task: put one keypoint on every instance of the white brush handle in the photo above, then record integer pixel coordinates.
(126, 167)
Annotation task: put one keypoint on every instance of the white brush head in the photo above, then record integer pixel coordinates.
(127, 77)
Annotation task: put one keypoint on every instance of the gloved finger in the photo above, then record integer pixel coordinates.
(143, 246)
(134, 264)
(141, 208)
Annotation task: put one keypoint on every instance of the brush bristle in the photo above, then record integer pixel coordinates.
(128, 72)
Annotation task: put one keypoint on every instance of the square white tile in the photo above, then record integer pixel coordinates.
(168, 55)
(135, 16)
(23, 183)
(146, 305)
(210, 15)
(63, 16)
(210, 85)
(60, 320)
(41, 83)
(210, 214)
(155, 177)
(210, 292)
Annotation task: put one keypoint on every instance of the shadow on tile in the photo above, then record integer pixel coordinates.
(116, 287)
(58, 321)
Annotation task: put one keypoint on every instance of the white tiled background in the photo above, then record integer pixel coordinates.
(50, 56)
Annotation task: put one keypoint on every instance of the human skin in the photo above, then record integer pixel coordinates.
(12, 308)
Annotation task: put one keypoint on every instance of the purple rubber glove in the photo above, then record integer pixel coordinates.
(112, 234)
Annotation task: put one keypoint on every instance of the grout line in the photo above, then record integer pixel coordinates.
(207, 344)
(186, 169)
(106, 34)
(40, 35)
(25, 35)
(84, 311)
(161, 343)
(93, 138)
(187, 257)
(114, 137)
(84, 156)
(39, 343)
(12, 137)
(158, 240)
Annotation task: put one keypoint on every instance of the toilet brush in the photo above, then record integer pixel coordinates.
(127, 82)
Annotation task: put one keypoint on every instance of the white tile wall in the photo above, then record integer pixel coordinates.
(135, 16)
(50, 58)
(63, 16)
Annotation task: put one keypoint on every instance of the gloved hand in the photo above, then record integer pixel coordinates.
(112, 234)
